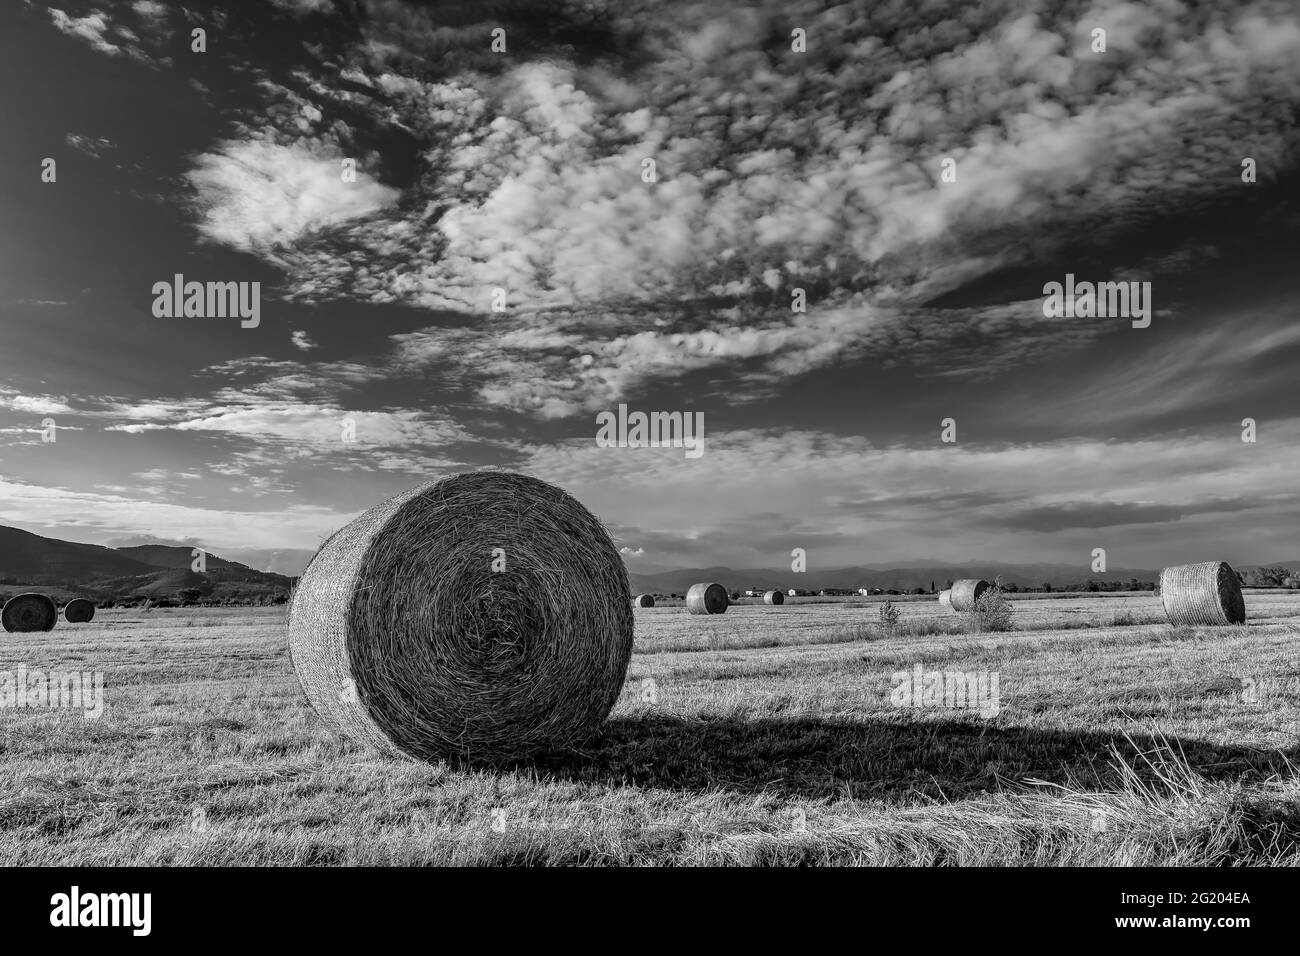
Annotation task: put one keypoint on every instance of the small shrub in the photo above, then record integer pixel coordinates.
(992, 612)
(889, 616)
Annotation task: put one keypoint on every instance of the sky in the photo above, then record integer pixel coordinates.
(920, 170)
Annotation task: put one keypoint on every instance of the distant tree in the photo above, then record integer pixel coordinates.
(1047, 587)
(931, 587)
(1268, 577)
(189, 595)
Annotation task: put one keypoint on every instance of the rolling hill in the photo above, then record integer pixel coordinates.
(157, 572)
(29, 557)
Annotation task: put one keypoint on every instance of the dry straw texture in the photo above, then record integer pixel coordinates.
(773, 597)
(1207, 594)
(707, 599)
(964, 593)
(405, 639)
(645, 600)
(29, 612)
(945, 597)
(78, 611)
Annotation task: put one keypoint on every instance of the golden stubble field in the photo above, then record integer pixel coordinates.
(763, 736)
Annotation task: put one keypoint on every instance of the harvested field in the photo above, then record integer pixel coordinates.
(766, 735)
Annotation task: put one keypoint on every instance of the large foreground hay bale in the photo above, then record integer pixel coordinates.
(408, 636)
(644, 600)
(78, 611)
(964, 593)
(707, 599)
(29, 612)
(945, 597)
(1204, 594)
(773, 597)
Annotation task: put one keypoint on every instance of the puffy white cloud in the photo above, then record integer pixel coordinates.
(15, 401)
(258, 195)
(92, 28)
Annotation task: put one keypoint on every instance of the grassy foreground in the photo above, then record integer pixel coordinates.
(763, 736)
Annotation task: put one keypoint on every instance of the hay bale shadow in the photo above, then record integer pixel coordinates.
(897, 761)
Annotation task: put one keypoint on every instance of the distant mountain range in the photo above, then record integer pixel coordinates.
(155, 571)
(162, 571)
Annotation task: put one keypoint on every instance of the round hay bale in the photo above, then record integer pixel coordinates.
(78, 611)
(964, 593)
(644, 600)
(29, 612)
(707, 599)
(945, 597)
(1208, 593)
(485, 615)
(773, 597)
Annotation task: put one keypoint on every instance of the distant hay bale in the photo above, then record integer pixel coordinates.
(29, 612)
(707, 599)
(1208, 593)
(945, 597)
(773, 597)
(78, 611)
(645, 600)
(964, 593)
(485, 615)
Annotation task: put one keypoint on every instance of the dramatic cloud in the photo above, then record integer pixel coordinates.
(765, 182)
(838, 249)
(259, 195)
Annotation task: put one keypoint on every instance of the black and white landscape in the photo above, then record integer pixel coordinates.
(849, 302)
